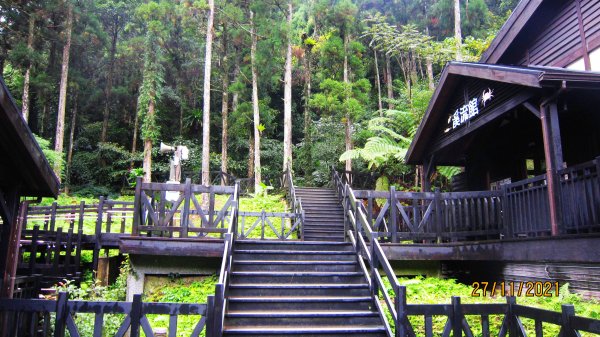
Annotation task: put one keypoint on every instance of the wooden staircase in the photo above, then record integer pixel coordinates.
(300, 289)
(324, 219)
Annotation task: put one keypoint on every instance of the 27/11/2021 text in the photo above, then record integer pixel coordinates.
(515, 288)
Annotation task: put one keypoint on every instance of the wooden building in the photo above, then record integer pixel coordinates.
(527, 109)
(524, 121)
(24, 172)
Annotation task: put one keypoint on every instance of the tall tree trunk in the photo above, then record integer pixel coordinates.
(379, 103)
(389, 81)
(251, 154)
(348, 124)
(224, 105)
(62, 98)
(25, 108)
(287, 96)
(206, 107)
(70, 151)
(43, 118)
(430, 73)
(135, 133)
(457, 30)
(307, 94)
(109, 83)
(147, 165)
(255, 110)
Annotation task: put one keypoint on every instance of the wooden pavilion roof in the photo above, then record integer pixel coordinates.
(523, 83)
(22, 162)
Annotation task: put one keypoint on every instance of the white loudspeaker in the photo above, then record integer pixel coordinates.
(164, 148)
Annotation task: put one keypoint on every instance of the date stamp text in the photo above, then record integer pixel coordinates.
(515, 288)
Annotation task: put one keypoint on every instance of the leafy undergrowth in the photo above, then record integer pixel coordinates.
(181, 290)
(433, 290)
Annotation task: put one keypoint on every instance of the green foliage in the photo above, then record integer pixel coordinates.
(52, 156)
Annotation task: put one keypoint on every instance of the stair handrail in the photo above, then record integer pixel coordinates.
(222, 286)
(357, 229)
(295, 203)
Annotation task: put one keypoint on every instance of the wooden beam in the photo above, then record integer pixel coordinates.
(584, 47)
(483, 120)
(533, 109)
(554, 160)
(580, 249)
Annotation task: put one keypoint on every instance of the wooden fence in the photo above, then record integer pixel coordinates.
(520, 209)
(457, 319)
(45, 318)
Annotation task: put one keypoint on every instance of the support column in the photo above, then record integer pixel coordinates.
(427, 171)
(9, 240)
(554, 160)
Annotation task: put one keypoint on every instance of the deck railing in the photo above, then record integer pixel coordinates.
(45, 318)
(391, 301)
(222, 287)
(520, 209)
(295, 203)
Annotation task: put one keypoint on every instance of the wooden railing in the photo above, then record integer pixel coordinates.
(265, 225)
(527, 208)
(51, 254)
(222, 287)
(520, 209)
(391, 301)
(47, 318)
(156, 207)
(580, 197)
(432, 216)
(294, 202)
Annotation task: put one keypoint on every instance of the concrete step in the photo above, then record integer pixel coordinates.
(292, 255)
(321, 331)
(297, 277)
(302, 318)
(287, 303)
(274, 265)
(298, 290)
(290, 246)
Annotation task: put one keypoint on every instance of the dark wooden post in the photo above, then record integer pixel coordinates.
(62, 311)
(136, 315)
(456, 317)
(137, 208)
(358, 226)
(554, 161)
(437, 200)
(511, 319)
(97, 245)
(57, 248)
(33, 252)
(370, 209)
(210, 316)
(53, 217)
(374, 266)
(393, 215)
(219, 306)
(185, 216)
(568, 311)
(428, 168)
(401, 311)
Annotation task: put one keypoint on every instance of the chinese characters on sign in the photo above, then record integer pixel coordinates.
(463, 114)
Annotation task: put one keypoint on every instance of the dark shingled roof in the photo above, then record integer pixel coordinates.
(22, 162)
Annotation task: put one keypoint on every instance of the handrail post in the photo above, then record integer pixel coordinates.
(219, 307)
(437, 199)
(62, 311)
(506, 216)
(510, 316)
(393, 215)
(456, 317)
(567, 311)
(98, 245)
(185, 216)
(374, 265)
(137, 208)
(136, 315)
(401, 311)
(358, 228)
(210, 316)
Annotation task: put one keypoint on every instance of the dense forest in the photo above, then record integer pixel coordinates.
(249, 87)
